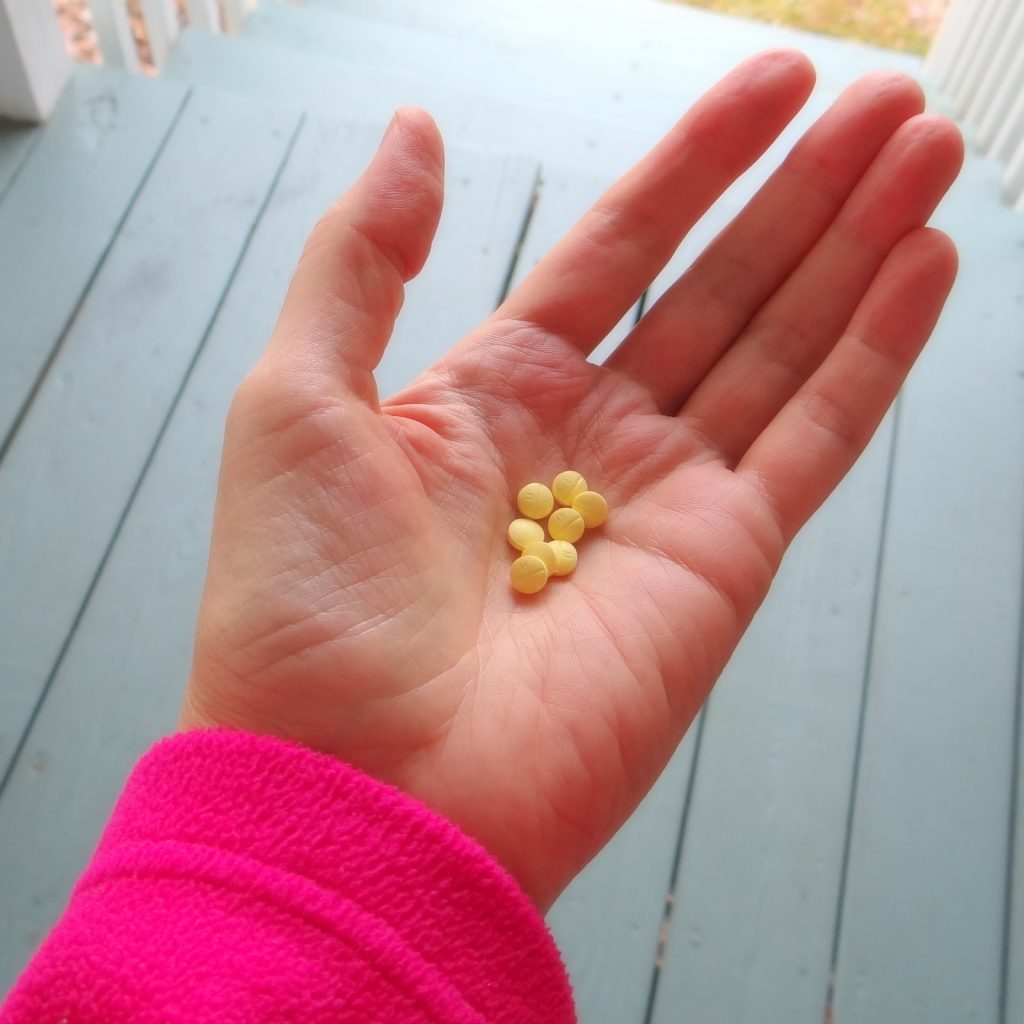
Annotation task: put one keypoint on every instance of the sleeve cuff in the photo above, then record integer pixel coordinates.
(293, 865)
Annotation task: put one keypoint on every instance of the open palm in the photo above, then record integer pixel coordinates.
(357, 598)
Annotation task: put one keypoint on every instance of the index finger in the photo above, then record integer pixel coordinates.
(584, 286)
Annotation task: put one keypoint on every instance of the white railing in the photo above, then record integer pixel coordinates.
(113, 32)
(34, 66)
(977, 60)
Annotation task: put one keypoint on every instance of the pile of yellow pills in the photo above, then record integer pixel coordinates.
(581, 509)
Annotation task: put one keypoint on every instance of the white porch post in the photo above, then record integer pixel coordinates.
(33, 64)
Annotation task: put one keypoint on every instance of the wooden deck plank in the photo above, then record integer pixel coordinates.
(606, 923)
(753, 917)
(520, 79)
(1015, 930)
(16, 141)
(564, 194)
(797, 576)
(609, 921)
(61, 211)
(310, 81)
(85, 439)
(923, 910)
(119, 687)
(647, 40)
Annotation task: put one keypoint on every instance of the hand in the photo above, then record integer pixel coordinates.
(357, 598)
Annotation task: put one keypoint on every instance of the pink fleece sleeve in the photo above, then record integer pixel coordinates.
(244, 879)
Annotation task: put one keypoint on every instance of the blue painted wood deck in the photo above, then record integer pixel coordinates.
(842, 831)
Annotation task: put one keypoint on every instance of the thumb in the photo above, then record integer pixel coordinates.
(349, 285)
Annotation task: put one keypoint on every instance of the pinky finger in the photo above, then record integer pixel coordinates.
(817, 436)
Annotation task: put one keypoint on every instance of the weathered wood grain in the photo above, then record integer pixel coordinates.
(62, 210)
(639, 41)
(1015, 895)
(754, 907)
(923, 908)
(16, 140)
(81, 447)
(313, 82)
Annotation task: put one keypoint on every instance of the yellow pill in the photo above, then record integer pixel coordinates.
(542, 550)
(535, 501)
(529, 574)
(565, 557)
(567, 485)
(524, 531)
(566, 524)
(592, 507)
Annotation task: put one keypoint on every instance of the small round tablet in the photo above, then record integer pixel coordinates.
(565, 557)
(524, 531)
(567, 485)
(542, 549)
(592, 507)
(566, 524)
(529, 574)
(535, 501)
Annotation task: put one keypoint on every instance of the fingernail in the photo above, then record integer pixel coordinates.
(392, 125)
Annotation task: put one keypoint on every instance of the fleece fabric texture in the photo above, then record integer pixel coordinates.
(245, 879)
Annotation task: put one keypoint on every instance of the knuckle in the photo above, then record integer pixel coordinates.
(829, 415)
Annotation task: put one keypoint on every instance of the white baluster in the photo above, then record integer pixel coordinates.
(948, 44)
(33, 64)
(162, 27)
(992, 105)
(114, 34)
(203, 14)
(1013, 179)
(971, 36)
(234, 14)
(1010, 132)
(984, 52)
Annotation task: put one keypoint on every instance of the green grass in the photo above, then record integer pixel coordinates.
(878, 22)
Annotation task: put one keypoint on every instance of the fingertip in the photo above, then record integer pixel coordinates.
(949, 132)
(419, 131)
(956, 142)
(936, 254)
(399, 198)
(942, 136)
(910, 290)
(894, 88)
(788, 64)
(908, 179)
